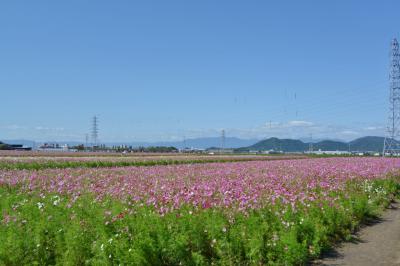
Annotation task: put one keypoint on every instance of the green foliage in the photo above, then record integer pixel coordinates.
(4, 146)
(79, 147)
(49, 230)
(38, 165)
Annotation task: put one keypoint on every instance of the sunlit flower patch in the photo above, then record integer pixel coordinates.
(240, 186)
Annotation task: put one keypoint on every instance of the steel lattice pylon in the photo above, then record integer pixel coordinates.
(391, 146)
(95, 130)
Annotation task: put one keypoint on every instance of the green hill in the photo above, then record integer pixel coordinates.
(287, 145)
(330, 145)
(369, 143)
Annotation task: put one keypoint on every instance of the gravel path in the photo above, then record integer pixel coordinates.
(377, 244)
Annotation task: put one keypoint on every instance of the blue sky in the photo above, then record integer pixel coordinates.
(161, 70)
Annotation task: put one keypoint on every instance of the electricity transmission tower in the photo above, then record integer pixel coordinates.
(391, 146)
(86, 140)
(222, 140)
(310, 145)
(95, 130)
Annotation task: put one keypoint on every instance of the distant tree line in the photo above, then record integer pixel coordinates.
(154, 149)
(4, 146)
(127, 148)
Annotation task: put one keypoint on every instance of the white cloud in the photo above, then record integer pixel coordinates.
(42, 128)
(300, 123)
(373, 128)
(14, 127)
(298, 129)
(349, 132)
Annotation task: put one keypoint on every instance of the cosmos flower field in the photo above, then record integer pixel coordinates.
(257, 212)
(37, 161)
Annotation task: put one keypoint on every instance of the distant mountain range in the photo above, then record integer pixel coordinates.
(198, 143)
(369, 143)
(204, 143)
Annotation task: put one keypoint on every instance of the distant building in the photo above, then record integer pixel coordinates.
(53, 147)
(214, 150)
(192, 150)
(320, 152)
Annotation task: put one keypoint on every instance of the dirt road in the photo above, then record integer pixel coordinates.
(377, 244)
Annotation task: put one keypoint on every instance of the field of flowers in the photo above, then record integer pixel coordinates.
(281, 212)
(36, 161)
